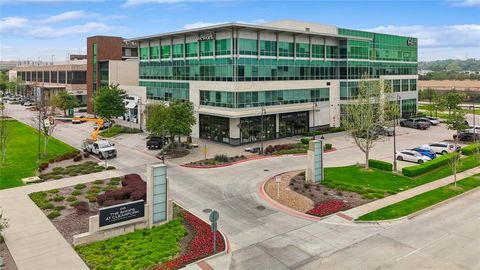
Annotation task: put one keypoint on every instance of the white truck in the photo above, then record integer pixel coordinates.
(102, 148)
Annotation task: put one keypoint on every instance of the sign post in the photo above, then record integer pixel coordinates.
(214, 215)
(278, 180)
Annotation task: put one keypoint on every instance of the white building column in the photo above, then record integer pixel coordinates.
(234, 131)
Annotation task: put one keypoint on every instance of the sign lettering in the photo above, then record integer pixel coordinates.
(411, 42)
(206, 36)
(122, 212)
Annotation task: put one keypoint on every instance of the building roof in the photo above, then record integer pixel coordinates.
(268, 27)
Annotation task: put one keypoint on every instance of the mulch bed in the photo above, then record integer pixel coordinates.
(9, 263)
(213, 162)
(335, 200)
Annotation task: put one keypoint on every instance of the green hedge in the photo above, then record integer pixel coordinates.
(470, 149)
(381, 165)
(305, 140)
(427, 166)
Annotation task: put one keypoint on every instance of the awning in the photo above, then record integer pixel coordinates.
(131, 105)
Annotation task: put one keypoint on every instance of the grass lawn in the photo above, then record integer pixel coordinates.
(22, 153)
(375, 183)
(423, 200)
(116, 129)
(141, 249)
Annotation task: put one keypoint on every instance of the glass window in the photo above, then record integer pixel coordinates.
(317, 51)
(154, 52)
(285, 48)
(223, 46)
(144, 53)
(268, 48)
(413, 85)
(165, 50)
(404, 85)
(206, 48)
(247, 46)
(214, 128)
(303, 50)
(178, 50)
(191, 49)
(396, 85)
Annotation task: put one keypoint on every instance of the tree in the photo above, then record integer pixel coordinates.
(108, 102)
(180, 118)
(373, 106)
(157, 119)
(456, 121)
(45, 123)
(452, 101)
(429, 94)
(4, 134)
(65, 101)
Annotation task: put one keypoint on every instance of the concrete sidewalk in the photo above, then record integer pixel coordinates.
(378, 204)
(32, 239)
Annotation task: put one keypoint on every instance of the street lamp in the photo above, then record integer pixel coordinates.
(395, 137)
(262, 131)
(474, 127)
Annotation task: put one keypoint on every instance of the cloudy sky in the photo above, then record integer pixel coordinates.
(42, 29)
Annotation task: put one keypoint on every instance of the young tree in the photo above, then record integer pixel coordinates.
(452, 101)
(108, 102)
(180, 118)
(4, 134)
(373, 106)
(429, 94)
(456, 121)
(157, 118)
(65, 101)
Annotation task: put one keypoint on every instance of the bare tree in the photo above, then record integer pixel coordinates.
(373, 107)
(45, 123)
(456, 121)
(4, 134)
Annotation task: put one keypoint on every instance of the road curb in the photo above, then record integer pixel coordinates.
(419, 212)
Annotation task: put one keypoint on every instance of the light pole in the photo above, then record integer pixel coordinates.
(262, 131)
(474, 127)
(314, 105)
(395, 136)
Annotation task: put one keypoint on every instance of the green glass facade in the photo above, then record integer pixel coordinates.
(166, 90)
(409, 107)
(262, 98)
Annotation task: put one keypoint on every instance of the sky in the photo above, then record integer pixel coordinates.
(51, 29)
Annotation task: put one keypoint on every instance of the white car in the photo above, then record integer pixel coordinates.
(433, 120)
(412, 156)
(441, 147)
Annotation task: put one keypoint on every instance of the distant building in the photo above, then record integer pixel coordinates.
(7, 65)
(447, 85)
(74, 57)
(52, 78)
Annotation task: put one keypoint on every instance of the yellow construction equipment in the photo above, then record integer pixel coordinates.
(98, 121)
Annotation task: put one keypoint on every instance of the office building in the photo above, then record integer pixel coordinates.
(284, 72)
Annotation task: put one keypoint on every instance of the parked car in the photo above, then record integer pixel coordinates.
(468, 135)
(252, 149)
(414, 123)
(412, 156)
(423, 120)
(156, 142)
(78, 121)
(442, 147)
(384, 130)
(27, 103)
(106, 124)
(425, 151)
(432, 120)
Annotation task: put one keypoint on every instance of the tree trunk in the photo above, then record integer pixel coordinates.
(367, 153)
(65, 112)
(45, 141)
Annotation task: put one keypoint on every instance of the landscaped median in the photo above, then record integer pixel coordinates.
(422, 201)
(117, 129)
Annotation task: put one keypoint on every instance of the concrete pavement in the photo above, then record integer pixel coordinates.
(32, 239)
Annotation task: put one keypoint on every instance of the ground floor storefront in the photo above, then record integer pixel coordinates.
(249, 129)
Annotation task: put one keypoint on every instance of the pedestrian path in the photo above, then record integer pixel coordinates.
(378, 204)
(32, 239)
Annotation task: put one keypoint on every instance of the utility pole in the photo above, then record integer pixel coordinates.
(262, 131)
(39, 104)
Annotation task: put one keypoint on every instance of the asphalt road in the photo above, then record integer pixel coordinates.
(263, 238)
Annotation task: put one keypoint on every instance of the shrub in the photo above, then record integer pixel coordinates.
(221, 158)
(76, 192)
(327, 208)
(54, 214)
(82, 207)
(470, 149)
(47, 206)
(58, 198)
(291, 151)
(328, 146)
(86, 154)
(74, 203)
(77, 158)
(91, 198)
(53, 191)
(305, 140)
(270, 149)
(427, 166)
(381, 165)
(59, 207)
(71, 199)
(43, 166)
(368, 196)
(80, 186)
(111, 202)
(110, 168)
(56, 177)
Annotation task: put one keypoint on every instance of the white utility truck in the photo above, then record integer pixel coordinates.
(102, 148)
